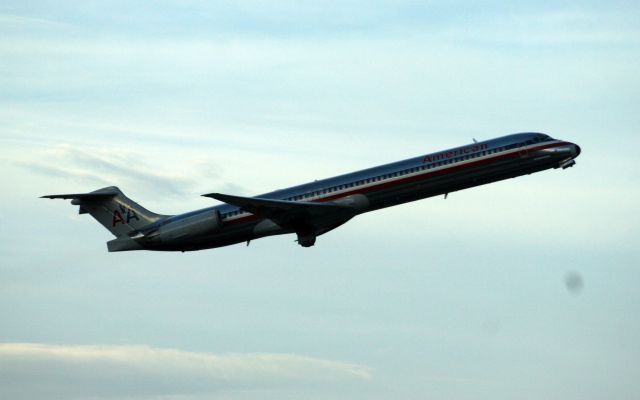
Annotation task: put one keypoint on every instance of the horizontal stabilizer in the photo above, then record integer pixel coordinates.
(115, 211)
(82, 196)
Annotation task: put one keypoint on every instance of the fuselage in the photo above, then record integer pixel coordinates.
(387, 185)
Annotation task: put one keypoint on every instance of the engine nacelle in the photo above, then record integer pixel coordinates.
(189, 227)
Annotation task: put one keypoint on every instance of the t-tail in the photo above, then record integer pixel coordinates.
(123, 217)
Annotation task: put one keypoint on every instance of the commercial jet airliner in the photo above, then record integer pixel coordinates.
(315, 208)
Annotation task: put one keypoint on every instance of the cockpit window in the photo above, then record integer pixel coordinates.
(540, 138)
(544, 138)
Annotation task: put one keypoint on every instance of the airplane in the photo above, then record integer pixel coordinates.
(315, 208)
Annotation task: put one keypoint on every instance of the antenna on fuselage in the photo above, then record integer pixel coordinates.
(474, 140)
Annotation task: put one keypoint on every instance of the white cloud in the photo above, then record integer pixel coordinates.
(58, 371)
(105, 166)
(155, 172)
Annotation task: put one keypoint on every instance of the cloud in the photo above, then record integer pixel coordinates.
(111, 165)
(55, 371)
(155, 174)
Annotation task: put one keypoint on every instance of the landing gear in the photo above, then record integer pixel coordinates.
(306, 241)
(306, 236)
(568, 163)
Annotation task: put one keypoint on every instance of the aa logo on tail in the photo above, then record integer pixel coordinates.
(123, 216)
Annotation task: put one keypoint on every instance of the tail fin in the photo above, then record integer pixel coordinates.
(115, 211)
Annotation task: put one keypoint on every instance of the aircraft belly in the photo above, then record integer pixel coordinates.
(228, 235)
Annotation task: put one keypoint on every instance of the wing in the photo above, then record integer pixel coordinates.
(283, 212)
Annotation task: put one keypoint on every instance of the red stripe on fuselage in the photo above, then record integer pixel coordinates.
(427, 174)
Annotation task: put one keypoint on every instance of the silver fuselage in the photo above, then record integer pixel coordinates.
(388, 185)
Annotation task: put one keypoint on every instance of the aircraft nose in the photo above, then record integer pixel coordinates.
(577, 150)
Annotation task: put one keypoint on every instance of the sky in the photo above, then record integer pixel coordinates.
(526, 288)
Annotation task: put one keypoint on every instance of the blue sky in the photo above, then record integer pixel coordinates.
(454, 299)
